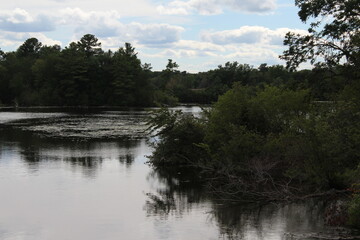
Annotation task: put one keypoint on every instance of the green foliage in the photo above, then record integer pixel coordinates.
(176, 138)
(171, 66)
(260, 111)
(251, 127)
(162, 98)
(256, 141)
(354, 211)
(81, 74)
(90, 45)
(336, 40)
(72, 69)
(271, 135)
(126, 70)
(330, 136)
(29, 48)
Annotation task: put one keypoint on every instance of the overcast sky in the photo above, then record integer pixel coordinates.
(197, 34)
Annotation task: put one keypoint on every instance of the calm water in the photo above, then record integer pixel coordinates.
(84, 176)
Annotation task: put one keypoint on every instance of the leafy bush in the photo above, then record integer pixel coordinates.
(264, 143)
(162, 98)
(354, 211)
(249, 122)
(178, 135)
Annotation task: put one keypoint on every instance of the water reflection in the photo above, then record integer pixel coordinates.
(174, 193)
(83, 126)
(177, 196)
(127, 159)
(81, 156)
(269, 221)
(101, 188)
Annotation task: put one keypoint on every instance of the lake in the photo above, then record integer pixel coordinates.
(82, 174)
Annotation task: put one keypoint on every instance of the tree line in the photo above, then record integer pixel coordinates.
(83, 74)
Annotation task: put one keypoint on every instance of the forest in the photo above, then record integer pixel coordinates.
(82, 74)
(272, 133)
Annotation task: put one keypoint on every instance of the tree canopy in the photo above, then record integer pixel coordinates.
(334, 34)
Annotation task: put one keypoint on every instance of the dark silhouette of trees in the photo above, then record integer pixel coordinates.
(82, 74)
(334, 34)
(90, 45)
(29, 48)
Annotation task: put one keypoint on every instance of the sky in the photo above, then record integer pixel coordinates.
(199, 35)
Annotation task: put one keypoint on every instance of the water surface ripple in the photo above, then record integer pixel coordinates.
(66, 176)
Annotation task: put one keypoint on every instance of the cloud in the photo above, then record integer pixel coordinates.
(154, 34)
(134, 8)
(146, 35)
(100, 23)
(194, 60)
(20, 20)
(15, 39)
(254, 55)
(199, 46)
(186, 49)
(213, 7)
(248, 35)
(107, 25)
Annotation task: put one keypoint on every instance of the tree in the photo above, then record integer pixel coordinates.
(46, 76)
(179, 135)
(72, 70)
(2, 55)
(126, 71)
(89, 43)
(172, 66)
(334, 35)
(30, 47)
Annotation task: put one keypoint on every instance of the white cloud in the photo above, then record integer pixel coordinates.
(187, 49)
(194, 60)
(253, 55)
(156, 40)
(19, 20)
(44, 39)
(172, 10)
(107, 25)
(15, 39)
(199, 46)
(124, 7)
(248, 35)
(154, 34)
(179, 54)
(249, 54)
(17, 16)
(212, 7)
(102, 24)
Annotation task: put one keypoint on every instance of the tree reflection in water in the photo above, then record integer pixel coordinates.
(169, 194)
(82, 156)
(175, 196)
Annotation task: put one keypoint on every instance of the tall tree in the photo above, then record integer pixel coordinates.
(126, 69)
(90, 45)
(334, 34)
(172, 66)
(72, 70)
(30, 48)
(46, 78)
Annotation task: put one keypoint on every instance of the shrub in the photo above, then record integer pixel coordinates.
(178, 137)
(354, 211)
